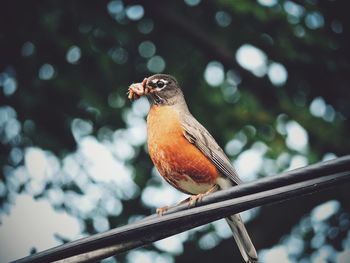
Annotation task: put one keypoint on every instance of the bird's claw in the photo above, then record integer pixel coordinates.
(194, 199)
(162, 210)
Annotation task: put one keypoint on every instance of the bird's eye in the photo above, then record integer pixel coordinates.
(160, 84)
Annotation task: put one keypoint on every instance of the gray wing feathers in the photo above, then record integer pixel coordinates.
(200, 137)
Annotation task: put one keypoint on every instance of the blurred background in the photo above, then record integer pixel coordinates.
(268, 78)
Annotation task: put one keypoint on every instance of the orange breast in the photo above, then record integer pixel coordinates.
(181, 163)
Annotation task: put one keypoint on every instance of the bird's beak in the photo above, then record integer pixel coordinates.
(136, 90)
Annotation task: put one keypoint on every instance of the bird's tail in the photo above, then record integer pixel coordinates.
(239, 231)
(242, 239)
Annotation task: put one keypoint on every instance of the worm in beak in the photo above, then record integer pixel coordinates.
(136, 90)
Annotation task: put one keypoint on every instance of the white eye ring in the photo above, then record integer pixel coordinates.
(160, 83)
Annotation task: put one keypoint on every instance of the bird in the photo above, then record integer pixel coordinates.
(185, 154)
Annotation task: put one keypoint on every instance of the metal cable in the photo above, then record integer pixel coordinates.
(287, 185)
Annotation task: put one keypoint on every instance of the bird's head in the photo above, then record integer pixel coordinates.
(159, 89)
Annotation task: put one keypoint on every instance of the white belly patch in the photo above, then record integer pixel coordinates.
(192, 187)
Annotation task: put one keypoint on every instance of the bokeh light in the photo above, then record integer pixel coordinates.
(253, 59)
(135, 12)
(20, 241)
(277, 74)
(268, 3)
(156, 64)
(46, 72)
(73, 54)
(214, 73)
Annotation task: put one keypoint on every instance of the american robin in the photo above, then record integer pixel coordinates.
(185, 153)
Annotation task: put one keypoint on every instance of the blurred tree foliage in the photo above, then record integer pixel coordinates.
(62, 61)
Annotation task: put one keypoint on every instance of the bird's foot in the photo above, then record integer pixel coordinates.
(194, 199)
(162, 210)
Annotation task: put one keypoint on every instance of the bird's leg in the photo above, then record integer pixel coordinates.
(162, 210)
(194, 199)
